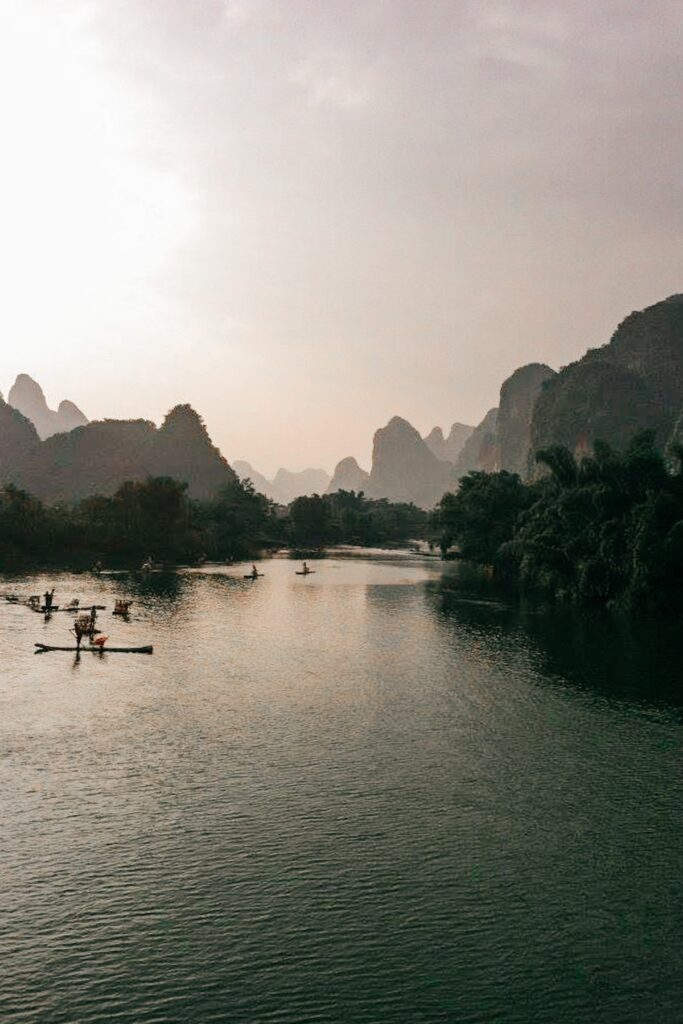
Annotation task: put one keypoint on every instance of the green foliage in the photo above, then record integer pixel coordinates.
(348, 517)
(603, 530)
(155, 517)
(238, 521)
(481, 516)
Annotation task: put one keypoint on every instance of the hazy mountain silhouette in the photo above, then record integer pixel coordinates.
(286, 485)
(448, 448)
(404, 468)
(27, 396)
(245, 471)
(98, 457)
(480, 448)
(348, 476)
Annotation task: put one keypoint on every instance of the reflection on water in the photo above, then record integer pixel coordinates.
(377, 794)
(614, 655)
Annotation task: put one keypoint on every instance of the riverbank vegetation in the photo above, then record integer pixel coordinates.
(348, 517)
(155, 517)
(606, 529)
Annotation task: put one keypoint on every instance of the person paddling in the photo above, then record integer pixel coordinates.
(49, 594)
(254, 571)
(306, 570)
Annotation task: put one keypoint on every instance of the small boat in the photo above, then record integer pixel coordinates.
(253, 575)
(44, 610)
(12, 598)
(149, 649)
(305, 572)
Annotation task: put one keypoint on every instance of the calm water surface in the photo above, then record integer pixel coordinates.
(372, 795)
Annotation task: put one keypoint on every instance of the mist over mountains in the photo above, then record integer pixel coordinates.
(27, 396)
(286, 485)
(633, 382)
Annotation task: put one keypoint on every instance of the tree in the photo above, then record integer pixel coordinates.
(481, 516)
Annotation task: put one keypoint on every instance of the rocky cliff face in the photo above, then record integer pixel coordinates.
(27, 396)
(518, 396)
(634, 382)
(97, 458)
(480, 451)
(448, 448)
(348, 476)
(403, 467)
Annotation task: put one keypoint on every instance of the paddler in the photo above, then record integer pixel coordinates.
(49, 594)
(254, 571)
(93, 620)
(306, 570)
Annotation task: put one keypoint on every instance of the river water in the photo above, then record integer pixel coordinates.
(376, 794)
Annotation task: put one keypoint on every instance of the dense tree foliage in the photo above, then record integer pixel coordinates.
(348, 517)
(156, 518)
(482, 515)
(605, 529)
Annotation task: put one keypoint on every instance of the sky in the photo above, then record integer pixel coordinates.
(307, 217)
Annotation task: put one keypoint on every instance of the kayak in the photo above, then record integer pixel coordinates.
(250, 575)
(308, 573)
(41, 648)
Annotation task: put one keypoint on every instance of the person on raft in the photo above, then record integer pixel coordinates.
(306, 570)
(254, 570)
(80, 630)
(49, 594)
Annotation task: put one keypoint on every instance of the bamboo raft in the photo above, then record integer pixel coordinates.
(148, 649)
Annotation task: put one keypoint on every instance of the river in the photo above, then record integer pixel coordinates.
(377, 794)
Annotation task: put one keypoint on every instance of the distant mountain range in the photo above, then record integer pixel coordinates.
(632, 383)
(27, 396)
(285, 485)
(99, 456)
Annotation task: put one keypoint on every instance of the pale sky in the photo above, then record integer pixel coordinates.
(306, 217)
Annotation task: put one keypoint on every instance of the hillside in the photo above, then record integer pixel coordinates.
(98, 457)
(480, 448)
(632, 383)
(518, 396)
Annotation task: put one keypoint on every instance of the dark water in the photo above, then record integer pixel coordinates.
(371, 795)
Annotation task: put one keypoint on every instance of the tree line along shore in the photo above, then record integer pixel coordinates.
(157, 517)
(604, 530)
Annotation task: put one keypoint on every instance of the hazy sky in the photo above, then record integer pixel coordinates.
(305, 217)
